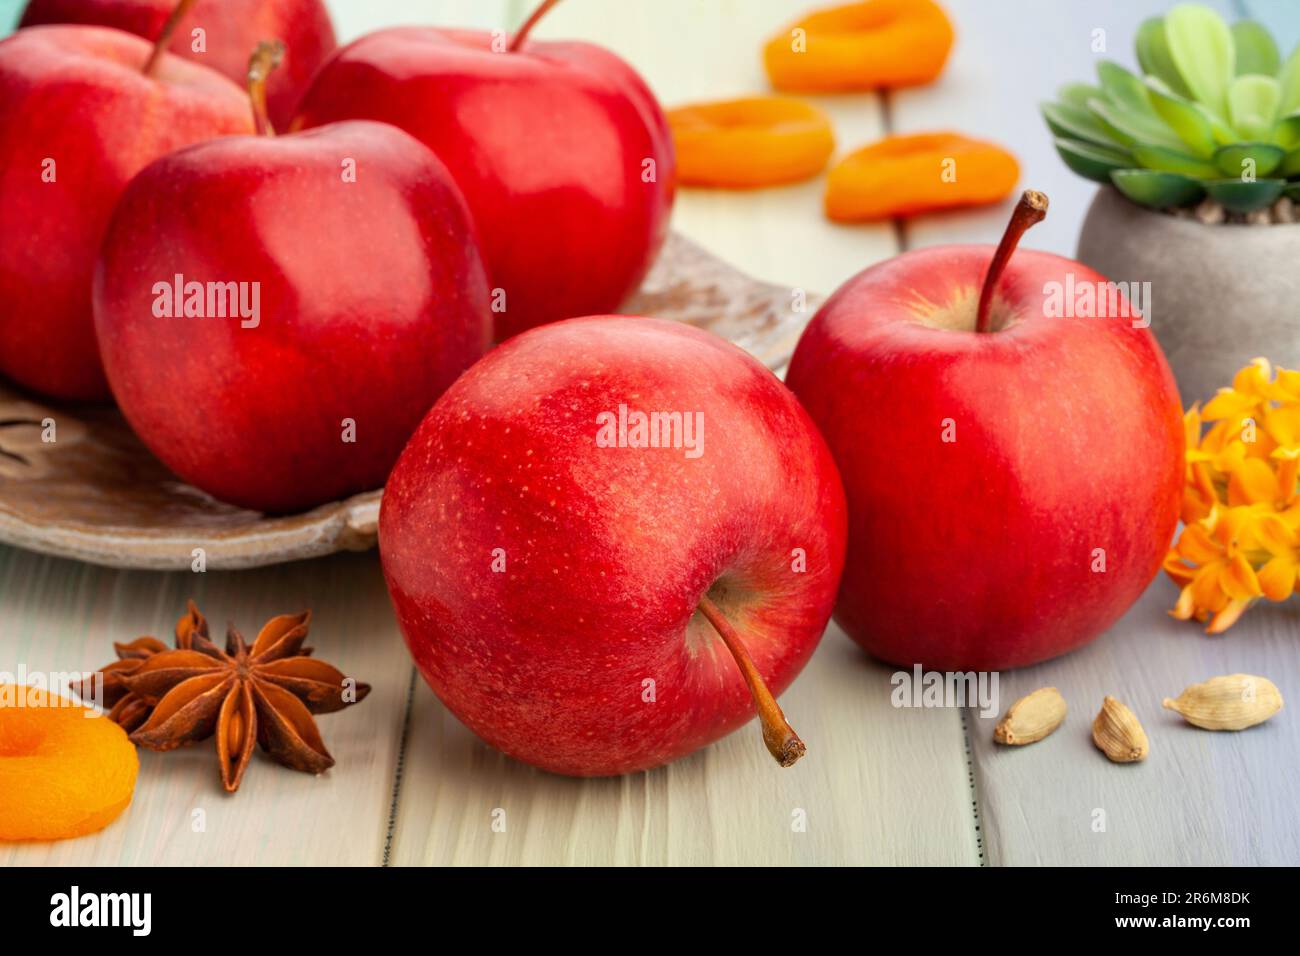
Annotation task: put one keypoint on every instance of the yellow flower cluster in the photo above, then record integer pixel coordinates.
(1241, 513)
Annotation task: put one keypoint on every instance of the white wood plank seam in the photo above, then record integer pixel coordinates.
(977, 816)
(902, 238)
(898, 223)
(399, 767)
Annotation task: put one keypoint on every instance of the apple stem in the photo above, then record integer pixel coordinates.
(261, 64)
(1031, 209)
(165, 37)
(543, 9)
(782, 742)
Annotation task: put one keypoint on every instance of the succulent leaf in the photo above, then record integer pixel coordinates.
(1126, 90)
(1078, 94)
(1238, 196)
(1201, 46)
(1192, 124)
(1072, 122)
(1171, 161)
(1154, 56)
(1092, 161)
(1287, 132)
(1256, 51)
(1159, 190)
(1246, 161)
(1214, 113)
(1289, 80)
(1290, 166)
(1130, 128)
(1252, 105)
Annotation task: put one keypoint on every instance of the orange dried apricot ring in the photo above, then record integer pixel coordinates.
(861, 46)
(749, 143)
(920, 172)
(64, 770)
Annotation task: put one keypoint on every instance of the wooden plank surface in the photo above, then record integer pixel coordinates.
(10, 10)
(352, 18)
(61, 616)
(879, 786)
(1200, 798)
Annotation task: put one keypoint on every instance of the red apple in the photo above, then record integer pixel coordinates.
(588, 598)
(1013, 478)
(232, 28)
(552, 143)
(353, 302)
(79, 116)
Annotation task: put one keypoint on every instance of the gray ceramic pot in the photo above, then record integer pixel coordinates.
(1220, 294)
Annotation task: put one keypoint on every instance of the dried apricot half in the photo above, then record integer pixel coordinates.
(920, 172)
(751, 142)
(64, 770)
(861, 46)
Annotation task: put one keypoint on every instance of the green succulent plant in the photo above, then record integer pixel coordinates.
(1217, 113)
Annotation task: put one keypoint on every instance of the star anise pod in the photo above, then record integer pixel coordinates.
(126, 707)
(263, 694)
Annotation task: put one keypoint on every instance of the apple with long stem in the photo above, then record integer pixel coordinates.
(611, 542)
(276, 314)
(82, 110)
(230, 28)
(563, 153)
(1013, 474)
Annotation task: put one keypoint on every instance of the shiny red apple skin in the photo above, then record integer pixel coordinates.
(233, 28)
(77, 95)
(608, 550)
(373, 299)
(548, 144)
(979, 553)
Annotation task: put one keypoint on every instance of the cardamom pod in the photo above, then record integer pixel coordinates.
(1231, 702)
(1031, 718)
(1117, 733)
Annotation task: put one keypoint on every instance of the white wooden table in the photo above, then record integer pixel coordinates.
(880, 785)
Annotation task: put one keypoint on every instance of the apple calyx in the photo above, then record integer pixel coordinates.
(782, 742)
(542, 10)
(165, 36)
(261, 65)
(1031, 209)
